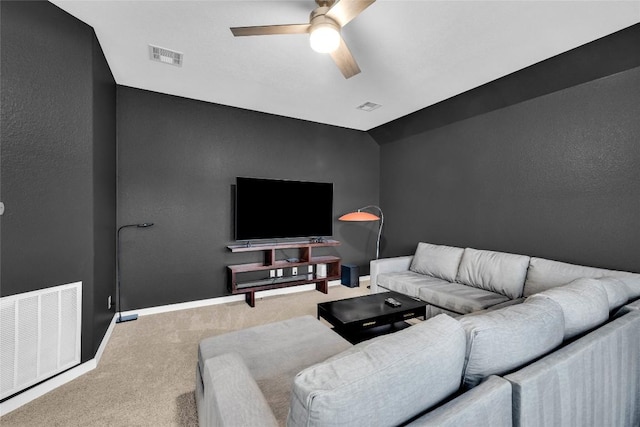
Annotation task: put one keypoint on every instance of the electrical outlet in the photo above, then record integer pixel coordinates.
(109, 303)
(272, 273)
(294, 271)
(279, 272)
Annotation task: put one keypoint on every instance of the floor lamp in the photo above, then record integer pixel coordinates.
(130, 317)
(360, 215)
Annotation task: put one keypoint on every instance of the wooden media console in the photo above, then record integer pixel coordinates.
(305, 259)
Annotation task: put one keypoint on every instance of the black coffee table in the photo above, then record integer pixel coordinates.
(360, 318)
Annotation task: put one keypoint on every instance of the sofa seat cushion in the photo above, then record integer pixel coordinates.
(498, 272)
(277, 347)
(502, 340)
(274, 353)
(386, 382)
(459, 298)
(584, 305)
(453, 297)
(545, 274)
(407, 282)
(437, 260)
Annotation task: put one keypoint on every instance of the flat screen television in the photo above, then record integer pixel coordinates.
(273, 208)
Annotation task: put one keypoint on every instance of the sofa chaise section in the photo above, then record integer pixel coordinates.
(272, 354)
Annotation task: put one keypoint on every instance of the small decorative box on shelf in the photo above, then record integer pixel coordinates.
(301, 270)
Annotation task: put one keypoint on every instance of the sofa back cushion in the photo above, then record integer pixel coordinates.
(437, 260)
(617, 291)
(498, 272)
(382, 382)
(502, 340)
(584, 305)
(631, 280)
(545, 274)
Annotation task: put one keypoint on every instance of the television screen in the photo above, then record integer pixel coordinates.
(271, 209)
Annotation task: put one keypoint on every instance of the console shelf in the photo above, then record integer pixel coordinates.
(305, 259)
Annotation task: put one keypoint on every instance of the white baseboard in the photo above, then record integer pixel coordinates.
(226, 299)
(45, 387)
(105, 339)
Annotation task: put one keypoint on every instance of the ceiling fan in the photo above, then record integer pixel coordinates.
(325, 23)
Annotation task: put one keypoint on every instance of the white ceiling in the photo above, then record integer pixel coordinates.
(412, 53)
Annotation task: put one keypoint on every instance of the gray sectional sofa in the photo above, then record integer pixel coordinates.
(561, 346)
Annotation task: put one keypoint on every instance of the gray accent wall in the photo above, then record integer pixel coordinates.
(557, 176)
(57, 174)
(177, 164)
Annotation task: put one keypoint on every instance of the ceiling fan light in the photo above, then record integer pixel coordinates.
(324, 38)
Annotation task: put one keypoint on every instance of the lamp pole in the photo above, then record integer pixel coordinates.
(380, 229)
(121, 319)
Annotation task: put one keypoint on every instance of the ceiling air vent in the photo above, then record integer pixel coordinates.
(167, 56)
(368, 106)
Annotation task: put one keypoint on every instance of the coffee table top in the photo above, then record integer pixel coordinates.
(366, 307)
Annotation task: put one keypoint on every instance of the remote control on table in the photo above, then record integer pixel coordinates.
(392, 302)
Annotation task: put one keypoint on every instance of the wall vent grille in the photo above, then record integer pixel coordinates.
(39, 335)
(166, 56)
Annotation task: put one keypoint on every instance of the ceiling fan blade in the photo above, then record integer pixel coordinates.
(267, 30)
(345, 10)
(344, 60)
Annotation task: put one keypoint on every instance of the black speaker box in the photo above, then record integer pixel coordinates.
(350, 275)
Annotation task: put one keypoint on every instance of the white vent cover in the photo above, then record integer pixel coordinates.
(39, 335)
(167, 56)
(368, 106)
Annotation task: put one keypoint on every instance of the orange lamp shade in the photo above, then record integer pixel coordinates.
(359, 216)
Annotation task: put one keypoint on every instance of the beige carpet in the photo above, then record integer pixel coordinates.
(146, 375)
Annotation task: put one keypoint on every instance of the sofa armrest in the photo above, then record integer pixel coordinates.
(488, 404)
(231, 395)
(387, 265)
